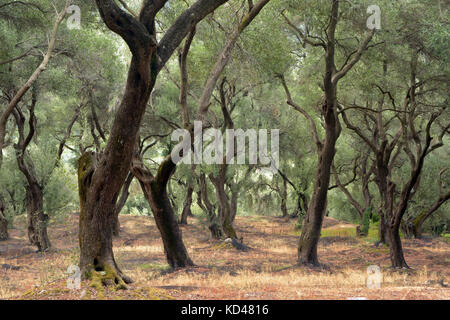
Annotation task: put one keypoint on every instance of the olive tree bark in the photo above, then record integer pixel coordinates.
(100, 180)
(37, 219)
(187, 204)
(312, 224)
(234, 202)
(3, 222)
(227, 203)
(24, 89)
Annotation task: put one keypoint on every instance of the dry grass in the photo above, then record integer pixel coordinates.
(267, 271)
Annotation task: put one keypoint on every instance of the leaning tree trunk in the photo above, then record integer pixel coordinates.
(100, 180)
(165, 219)
(3, 222)
(155, 191)
(187, 205)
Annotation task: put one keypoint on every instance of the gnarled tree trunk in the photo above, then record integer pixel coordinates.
(37, 219)
(95, 232)
(101, 178)
(155, 191)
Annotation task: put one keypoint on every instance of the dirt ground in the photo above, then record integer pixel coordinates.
(266, 271)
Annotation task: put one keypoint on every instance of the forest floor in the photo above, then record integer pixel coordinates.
(266, 271)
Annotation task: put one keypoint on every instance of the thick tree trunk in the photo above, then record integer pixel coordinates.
(187, 205)
(37, 219)
(395, 248)
(100, 180)
(3, 222)
(95, 231)
(100, 184)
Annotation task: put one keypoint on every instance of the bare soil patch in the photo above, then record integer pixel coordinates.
(266, 271)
